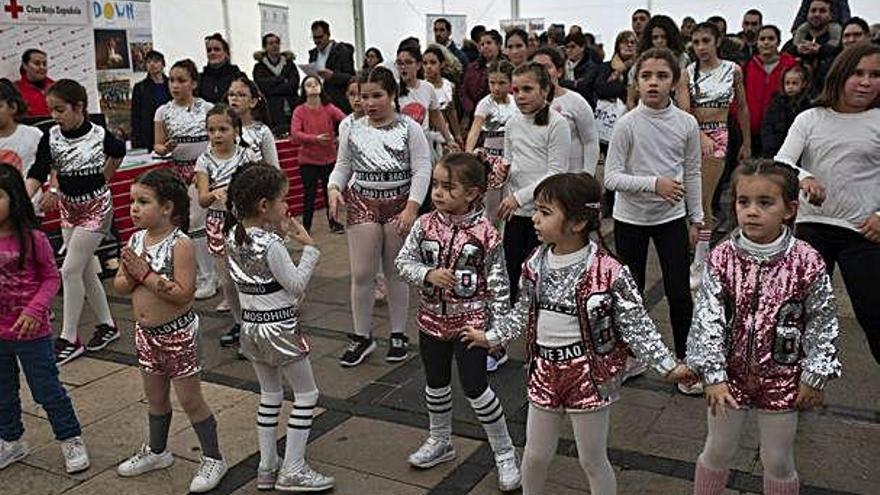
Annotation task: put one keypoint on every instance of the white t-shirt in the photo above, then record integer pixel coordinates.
(562, 328)
(495, 116)
(418, 101)
(584, 151)
(444, 93)
(842, 151)
(19, 149)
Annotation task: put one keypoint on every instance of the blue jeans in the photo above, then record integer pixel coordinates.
(38, 361)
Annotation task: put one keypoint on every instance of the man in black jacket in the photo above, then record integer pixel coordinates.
(278, 79)
(146, 97)
(443, 37)
(335, 61)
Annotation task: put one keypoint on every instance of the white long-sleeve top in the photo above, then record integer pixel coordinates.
(534, 152)
(648, 144)
(584, 151)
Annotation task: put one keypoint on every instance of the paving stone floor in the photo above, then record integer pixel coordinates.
(373, 416)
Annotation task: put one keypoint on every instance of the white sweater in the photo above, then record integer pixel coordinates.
(534, 152)
(647, 144)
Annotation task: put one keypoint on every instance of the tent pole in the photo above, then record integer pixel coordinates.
(226, 27)
(358, 6)
(514, 9)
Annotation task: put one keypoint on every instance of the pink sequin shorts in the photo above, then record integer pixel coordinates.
(170, 349)
(362, 208)
(94, 212)
(767, 394)
(214, 229)
(563, 384)
(719, 134)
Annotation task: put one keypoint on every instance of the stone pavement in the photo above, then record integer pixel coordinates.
(373, 416)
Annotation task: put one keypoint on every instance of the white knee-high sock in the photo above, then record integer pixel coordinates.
(491, 414)
(267, 425)
(298, 426)
(204, 259)
(439, 401)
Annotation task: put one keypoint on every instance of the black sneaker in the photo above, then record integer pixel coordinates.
(104, 334)
(357, 351)
(231, 337)
(397, 345)
(66, 351)
(337, 228)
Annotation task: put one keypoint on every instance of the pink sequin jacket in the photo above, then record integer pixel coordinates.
(765, 320)
(612, 316)
(471, 247)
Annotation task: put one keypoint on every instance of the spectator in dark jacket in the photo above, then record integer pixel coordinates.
(335, 61)
(471, 46)
(611, 78)
(148, 95)
(840, 13)
(443, 37)
(786, 105)
(475, 83)
(219, 73)
(580, 70)
(278, 79)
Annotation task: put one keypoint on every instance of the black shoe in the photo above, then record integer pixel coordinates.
(397, 345)
(357, 351)
(66, 352)
(230, 338)
(104, 334)
(337, 228)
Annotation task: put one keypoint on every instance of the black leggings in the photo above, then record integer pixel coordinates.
(671, 241)
(437, 360)
(520, 240)
(859, 261)
(311, 176)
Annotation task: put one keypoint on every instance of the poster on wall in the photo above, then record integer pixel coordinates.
(61, 28)
(140, 43)
(459, 26)
(111, 50)
(530, 24)
(274, 19)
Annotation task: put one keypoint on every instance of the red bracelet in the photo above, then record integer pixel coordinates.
(144, 278)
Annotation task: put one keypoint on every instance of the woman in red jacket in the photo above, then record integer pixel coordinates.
(34, 82)
(763, 72)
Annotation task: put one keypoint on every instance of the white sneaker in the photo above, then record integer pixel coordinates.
(695, 389)
(633, 368)
(206, 288)
(76, 458)
(509, 476)
(12, 452)
(145, 461)
(431, 453)
(210, 472)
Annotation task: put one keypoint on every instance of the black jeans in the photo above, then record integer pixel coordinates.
(520, 240)
(437, 359)
(671, 241)
(859, 262)
(311, 176)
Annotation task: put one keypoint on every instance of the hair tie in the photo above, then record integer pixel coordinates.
(593, 206)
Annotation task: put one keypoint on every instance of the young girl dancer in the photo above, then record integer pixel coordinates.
(785, 106)
(764, 330)
(314, 128)
(836, 146)
(582, 313)
(584, 153)
(214, 170)
(384, 167)
(18, 142)
(158, 270)
(417, 97)
(455, 256)
(271, 288)
(82, 157)
(29, 280)
(435, 61)
(653, 163)
(713, 85)
(487, 131)
(246, 100)
(180, 131)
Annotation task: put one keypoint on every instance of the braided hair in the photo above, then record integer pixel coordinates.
(250, 184)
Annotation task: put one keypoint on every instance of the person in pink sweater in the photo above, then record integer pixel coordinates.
(314, 127)
(29, 279)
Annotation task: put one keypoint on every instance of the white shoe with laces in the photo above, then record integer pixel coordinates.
(509, 476)
(210, 473)
(145, 461)
(431, 453)
(12, 452)
(76, 457)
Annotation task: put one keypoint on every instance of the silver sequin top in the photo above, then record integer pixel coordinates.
(714, 88)
(264, 274)
(383, 158)
(220, 170)
(259, 139)
(78, 157)
(187, 127)
(161, 254)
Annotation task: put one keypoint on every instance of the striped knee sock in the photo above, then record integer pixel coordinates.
(298, 426)
(439, 401)
(491, 414)
(267, 424)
